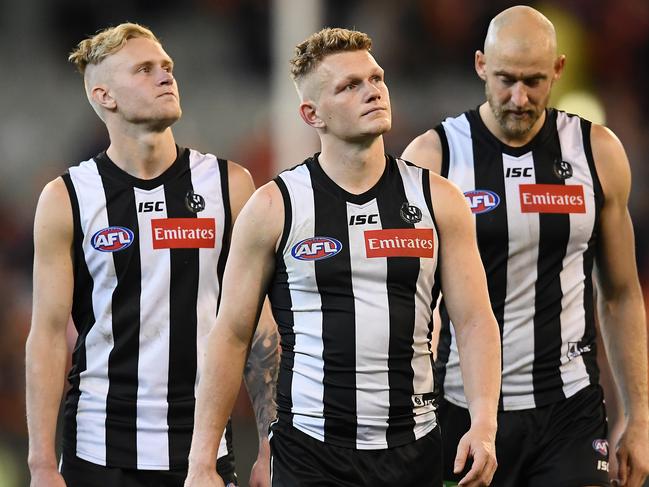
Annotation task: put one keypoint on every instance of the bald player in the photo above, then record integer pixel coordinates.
(132, 244)
(549, 193)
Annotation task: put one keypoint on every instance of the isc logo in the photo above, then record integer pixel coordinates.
(363, 219)
(149, 206)
(112, 239)
(482, 200)
(316, 248)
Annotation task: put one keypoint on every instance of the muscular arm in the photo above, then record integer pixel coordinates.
(620, 303)
(247, 273)
(464, 287)
(260, 372)
(425, 151)
(46, 352)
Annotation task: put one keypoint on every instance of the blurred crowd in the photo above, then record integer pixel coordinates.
(224, 59)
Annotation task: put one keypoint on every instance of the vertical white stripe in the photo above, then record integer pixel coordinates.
(573, 324)
(372, 330)
(518, 314)
(307, 388)
(458, 133)
(93, 382)
(153, 363)
(206, 181)
(423, 380)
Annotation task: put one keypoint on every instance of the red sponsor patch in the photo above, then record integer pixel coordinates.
(400, 242)
(183, 233)
(552, 198)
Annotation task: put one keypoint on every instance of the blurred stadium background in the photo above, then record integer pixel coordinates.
(238, 101)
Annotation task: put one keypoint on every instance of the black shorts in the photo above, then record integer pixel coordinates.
(298, 460)
(563, 444)
(81, 473)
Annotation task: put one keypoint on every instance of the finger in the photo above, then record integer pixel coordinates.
(622, 466)
(461, 456)
(477, 472)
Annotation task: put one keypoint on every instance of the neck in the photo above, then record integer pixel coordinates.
(494, 127)
(354, 167)
(145, 156)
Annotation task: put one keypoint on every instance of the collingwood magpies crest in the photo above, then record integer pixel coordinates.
(410, 213)
(194, 202)
(562, 169)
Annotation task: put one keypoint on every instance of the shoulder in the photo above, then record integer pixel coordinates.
(54, 211)
(448, 200)
(262, 217)
(239, 175)
(425, 150)
(610, 161)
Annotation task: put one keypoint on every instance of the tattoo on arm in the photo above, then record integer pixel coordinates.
(260, 376)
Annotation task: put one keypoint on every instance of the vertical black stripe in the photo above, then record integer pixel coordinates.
(280, 299)
(183, 291)
(554, 233)
(121, 402)
(590, 358)
(334, 280)
(83, 317)
(402, 274)
(446, 161)
(227, 224)
(492, 227)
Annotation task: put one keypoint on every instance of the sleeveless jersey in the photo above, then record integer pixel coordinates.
(148, 260)
(536, 212)
(353, 294)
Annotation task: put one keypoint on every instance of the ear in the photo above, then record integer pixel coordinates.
(559, 65)
(309, 113)
(102, 97)
(481, 65)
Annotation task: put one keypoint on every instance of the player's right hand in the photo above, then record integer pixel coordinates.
(478, 444)
(46, 477)
(206, 477)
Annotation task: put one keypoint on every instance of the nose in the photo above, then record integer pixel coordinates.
(519, 94)
(166, 77)
(373, 93)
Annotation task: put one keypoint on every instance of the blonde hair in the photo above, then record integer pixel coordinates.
(95, 49)
(310, 52)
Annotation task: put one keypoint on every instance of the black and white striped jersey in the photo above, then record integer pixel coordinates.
(148, 260)
(536, 212)
(354, 289)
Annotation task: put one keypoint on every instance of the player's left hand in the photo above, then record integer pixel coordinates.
(632, 455)
(260, 472)
(478, 444)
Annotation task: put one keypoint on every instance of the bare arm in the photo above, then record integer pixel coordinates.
(247, 273)
(620, 304)
(425, 151)
(46, 352)
(464, 287)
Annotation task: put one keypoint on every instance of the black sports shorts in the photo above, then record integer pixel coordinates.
(81, 473)
(298, 460)
(563, 444)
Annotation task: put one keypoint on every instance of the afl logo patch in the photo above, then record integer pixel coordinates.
(316, 248)
(482, 200)
(410, 213)
(601, 446)
(112, 239)
(194, 202)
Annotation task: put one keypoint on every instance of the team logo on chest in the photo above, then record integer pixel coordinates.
(316, 248)
(562, 169)
(194, 201)
(410, 213)
(112, 239)
(482, 200)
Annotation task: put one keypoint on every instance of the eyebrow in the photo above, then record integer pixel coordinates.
(165, 62)
(533, 76)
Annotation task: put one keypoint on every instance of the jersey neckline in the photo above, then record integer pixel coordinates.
(546, 130)
(112, 169)
(313, 164)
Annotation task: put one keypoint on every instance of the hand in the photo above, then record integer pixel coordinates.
(46, 477)
(203, 477)
(632, 455)
(479, 444)
(260, 472)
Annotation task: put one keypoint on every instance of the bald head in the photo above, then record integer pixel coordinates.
(521, 29)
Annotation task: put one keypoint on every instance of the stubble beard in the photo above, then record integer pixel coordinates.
(512, 128)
